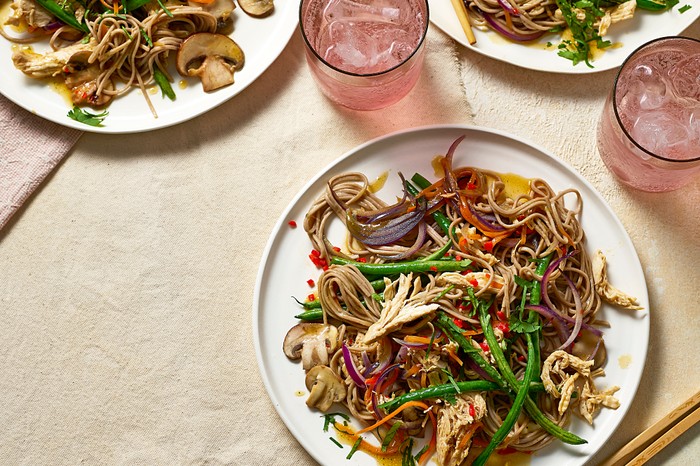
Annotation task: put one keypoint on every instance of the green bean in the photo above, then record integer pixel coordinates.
(396, 268)
(63, 15)
(448, 389)
(530, 406)
(515, 409)
(163, 83)
(455, 334)
(311, 315)
(536, 292)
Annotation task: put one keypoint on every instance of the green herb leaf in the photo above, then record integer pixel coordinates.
(390, 435)
(88, 118)
(335, 441)
(354, 448)
(684, 8)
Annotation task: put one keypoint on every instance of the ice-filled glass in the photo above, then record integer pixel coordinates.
(365, 54)
(649, 132)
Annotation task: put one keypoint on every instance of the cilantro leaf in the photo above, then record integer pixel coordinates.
(86, 117)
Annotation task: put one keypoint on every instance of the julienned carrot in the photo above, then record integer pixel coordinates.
(392, 449)
(393, 414)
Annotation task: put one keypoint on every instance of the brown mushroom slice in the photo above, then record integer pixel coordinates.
(211, 57)
(311, 342)
(221, 9)
(325, 388)
(257, 7)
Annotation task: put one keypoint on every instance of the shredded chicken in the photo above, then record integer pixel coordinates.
(606, 291)
(592, 400)
(38, 65)
(399, 308)
(456, 423)
(589, 398)
(616, 14)
(29, 11)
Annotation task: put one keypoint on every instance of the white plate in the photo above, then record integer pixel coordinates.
(262, 40)
(285, 267)
(627, 35)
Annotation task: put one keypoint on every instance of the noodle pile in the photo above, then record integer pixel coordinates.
(396, 332)
(126, 48)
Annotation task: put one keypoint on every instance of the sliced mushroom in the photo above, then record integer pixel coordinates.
(325, 388)
(311, 342)
(211, 57)
(222, 9)
(257, 7)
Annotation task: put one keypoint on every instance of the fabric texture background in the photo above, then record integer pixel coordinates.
(30, 148)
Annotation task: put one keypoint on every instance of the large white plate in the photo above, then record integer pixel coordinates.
(262, 40)
(627, 35)
(285, 267)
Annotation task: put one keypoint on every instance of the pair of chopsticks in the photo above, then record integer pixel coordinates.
(647, 444)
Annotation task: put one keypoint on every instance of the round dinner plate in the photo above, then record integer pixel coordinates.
(261, 39)
(626, 36)
(285, 269)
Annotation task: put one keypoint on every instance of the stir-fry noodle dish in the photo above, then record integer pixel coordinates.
(101, 49)
(583, 26)
(458, 322)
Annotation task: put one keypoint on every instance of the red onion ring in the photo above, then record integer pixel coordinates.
(508, 7)
(351, 368)
(512, 35)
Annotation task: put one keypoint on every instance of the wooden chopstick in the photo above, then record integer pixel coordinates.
(659, 435)
(461, 11)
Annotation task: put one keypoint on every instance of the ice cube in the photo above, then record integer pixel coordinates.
(656, 131)
(685, 77)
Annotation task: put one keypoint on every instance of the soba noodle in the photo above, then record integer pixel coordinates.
(393, 344)
(126, 47)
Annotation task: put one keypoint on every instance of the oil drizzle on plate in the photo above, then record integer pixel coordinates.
(625, 360)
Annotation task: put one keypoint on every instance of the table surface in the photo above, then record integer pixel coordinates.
(126, 284)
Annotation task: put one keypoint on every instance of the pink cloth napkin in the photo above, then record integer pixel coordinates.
(30, 147)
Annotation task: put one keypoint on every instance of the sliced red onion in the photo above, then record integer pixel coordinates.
(512, 35)
(489, 221)
(579, 314)
(475, 367)
(389, 232)
(508, 7)
(545, 311)
(417, 244)
(545, 277)
(350, 367)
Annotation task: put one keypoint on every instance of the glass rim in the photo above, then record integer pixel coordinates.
(614, 100)
(365, 75)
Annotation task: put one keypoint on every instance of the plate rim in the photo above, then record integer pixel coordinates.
(285, 28)
(580, 69)
(277, 227)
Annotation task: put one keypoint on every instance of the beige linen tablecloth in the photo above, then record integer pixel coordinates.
(126, 283)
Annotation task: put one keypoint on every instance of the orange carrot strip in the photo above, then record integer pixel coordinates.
(392, 449)
(417, 339)
(413, 370)
(469, 434)
(393, 414)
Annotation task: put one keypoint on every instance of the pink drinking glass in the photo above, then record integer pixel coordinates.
(649, 131)
(354, 84)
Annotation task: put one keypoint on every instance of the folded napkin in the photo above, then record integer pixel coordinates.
(30, 147)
